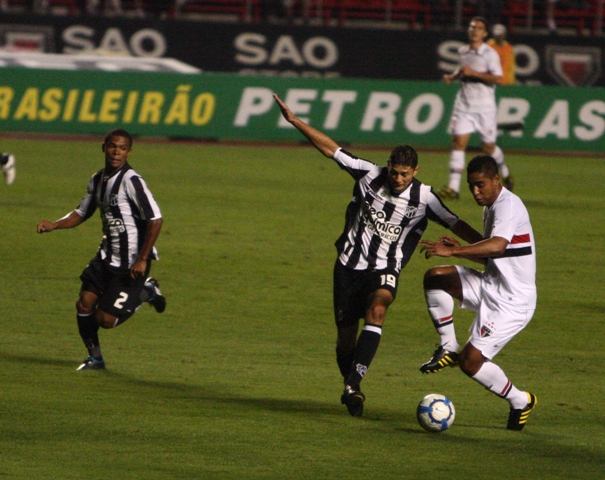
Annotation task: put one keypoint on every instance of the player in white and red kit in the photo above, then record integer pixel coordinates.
(503, 295)
(475, 109)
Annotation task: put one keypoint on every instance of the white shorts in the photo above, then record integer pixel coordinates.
(495, 324)
(466, 123)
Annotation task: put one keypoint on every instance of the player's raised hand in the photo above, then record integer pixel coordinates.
(285, 111)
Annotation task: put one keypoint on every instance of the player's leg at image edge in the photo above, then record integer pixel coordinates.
(9, 169)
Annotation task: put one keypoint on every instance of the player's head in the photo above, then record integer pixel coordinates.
(404, 155)
(483, 180)
(403, 166)
(118, 132)
(477, 29)
(117, 147)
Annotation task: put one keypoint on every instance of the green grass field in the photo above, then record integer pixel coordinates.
(237, 379)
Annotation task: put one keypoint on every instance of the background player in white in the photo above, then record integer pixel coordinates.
(503, 295)
(115, 282)
(475, 107)
(385, 220)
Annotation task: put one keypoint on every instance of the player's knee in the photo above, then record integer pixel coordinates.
(83, 307)
(436, 277)
(378, 308)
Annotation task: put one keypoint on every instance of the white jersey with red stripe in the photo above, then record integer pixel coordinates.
(510, 279)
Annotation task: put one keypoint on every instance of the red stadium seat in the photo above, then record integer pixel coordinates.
(310, 9)
(515, 13)
(386, 10)
(29, 5)
(246, 10)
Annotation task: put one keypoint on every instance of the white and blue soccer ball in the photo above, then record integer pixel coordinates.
(435, 413)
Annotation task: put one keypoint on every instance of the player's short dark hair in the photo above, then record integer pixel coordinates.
(483, 20)
(404, 155)
(118, 132)
(484, 165)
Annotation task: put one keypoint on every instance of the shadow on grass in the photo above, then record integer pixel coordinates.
(527, 444)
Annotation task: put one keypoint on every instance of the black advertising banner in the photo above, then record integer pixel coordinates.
(301, 51)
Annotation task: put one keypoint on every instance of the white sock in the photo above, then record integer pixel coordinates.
(499, 157)
(457, 162)
(492, 377)
(441, 308)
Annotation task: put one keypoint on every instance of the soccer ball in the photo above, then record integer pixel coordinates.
(435, 413)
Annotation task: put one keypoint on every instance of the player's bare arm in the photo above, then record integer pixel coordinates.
(139, 267)
(467, 233)
(493, 246)
(321, 141)
(69, 221)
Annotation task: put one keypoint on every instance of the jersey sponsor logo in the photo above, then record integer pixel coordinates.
(116, 226)
(375, 222)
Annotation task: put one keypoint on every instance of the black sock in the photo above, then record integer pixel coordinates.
(367, 345)
(147, 294)
(345, 362)
(89, 328)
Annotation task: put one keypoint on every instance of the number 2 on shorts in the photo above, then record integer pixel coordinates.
(120, 301)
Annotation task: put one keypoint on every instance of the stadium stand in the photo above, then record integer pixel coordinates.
(410, 11)
(580, 16)
(245, 10)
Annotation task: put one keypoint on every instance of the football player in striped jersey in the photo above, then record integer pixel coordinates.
(503, 295)
(115, 282)
(385, 220)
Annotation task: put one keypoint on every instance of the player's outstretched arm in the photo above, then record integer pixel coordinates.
(320, 140)
(466, 232)
(68, 221)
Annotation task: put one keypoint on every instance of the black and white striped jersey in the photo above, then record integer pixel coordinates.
(382, 229)
(126, 204)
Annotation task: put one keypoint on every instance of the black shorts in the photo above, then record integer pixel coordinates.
(353, 289)
(119, 295)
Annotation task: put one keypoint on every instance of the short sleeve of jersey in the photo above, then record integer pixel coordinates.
(356, 167)
(493, 60)
(138, 192)
(88, 204)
